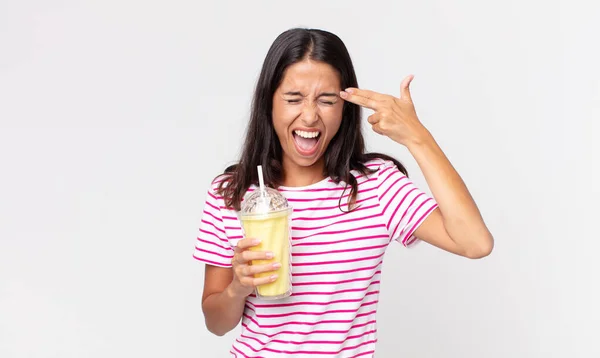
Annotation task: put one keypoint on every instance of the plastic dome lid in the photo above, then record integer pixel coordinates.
(263, 201)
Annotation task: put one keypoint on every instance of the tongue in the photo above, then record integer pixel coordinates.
(306, 143)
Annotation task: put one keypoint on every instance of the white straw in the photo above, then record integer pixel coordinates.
(261, 180)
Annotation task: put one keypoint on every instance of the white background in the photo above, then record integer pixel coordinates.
(116, 115)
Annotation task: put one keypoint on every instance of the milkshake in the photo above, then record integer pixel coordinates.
(265, 215)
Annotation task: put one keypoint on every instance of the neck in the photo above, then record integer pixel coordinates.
(295, 175)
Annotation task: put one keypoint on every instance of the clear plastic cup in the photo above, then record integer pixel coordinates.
(266, 215)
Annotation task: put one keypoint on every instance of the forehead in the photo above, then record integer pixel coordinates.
(310, 76)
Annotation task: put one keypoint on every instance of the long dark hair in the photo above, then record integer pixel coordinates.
(345, 152)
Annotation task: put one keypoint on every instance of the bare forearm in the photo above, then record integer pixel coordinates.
(461, 217)
(223, 311)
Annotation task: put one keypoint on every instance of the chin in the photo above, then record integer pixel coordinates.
(305, 162)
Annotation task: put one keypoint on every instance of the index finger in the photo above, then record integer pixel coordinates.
(366, 93)
(349, 96)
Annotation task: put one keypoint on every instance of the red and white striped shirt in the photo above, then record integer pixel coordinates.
(336, 264)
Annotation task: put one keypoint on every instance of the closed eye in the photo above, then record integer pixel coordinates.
(294, 101)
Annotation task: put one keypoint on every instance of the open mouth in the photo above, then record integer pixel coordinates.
(307, 142)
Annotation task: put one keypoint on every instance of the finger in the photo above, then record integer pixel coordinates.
(361, 101)
(247, 243)
(264, 280)
(255, 255)
(374, 118)
(239, 272)
(367, 93)
(377, 129)
(405, 88)
(256, 269)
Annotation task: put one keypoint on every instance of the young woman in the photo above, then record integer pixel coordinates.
(305, 131)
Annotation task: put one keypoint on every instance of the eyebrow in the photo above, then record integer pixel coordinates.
(324, 94)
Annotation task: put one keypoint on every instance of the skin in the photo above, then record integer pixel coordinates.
(307, 99)
(455, 226)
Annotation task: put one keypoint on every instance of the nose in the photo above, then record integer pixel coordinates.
(310, 114)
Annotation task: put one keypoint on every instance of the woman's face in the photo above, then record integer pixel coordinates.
(307, 111)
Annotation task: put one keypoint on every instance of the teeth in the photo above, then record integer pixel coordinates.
(304, 134)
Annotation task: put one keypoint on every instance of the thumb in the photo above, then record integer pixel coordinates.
(405, 88)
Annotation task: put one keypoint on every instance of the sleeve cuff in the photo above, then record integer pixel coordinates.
(409, 239)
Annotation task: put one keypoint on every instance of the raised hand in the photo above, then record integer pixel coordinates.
(394, 117)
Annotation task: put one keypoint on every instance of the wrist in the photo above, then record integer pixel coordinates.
(232, 292)
(418, 142)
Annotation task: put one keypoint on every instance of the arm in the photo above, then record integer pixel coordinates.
(226, 289)
(456, 225)
(221, 307)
